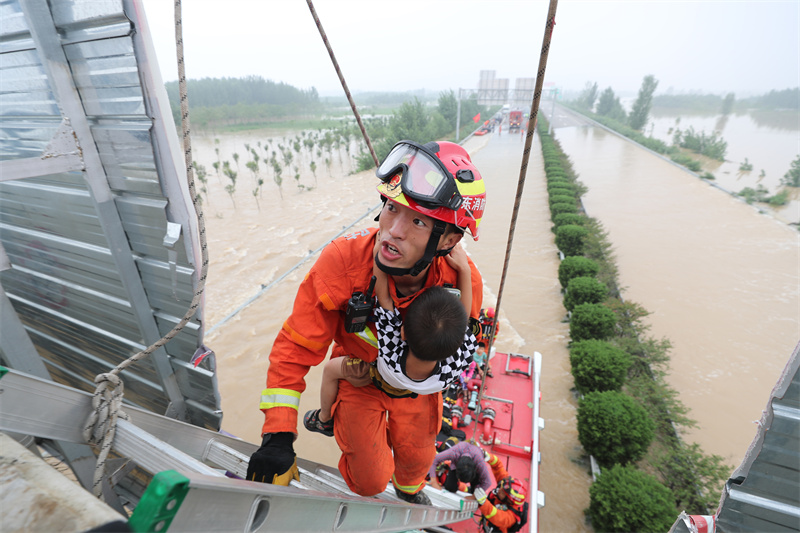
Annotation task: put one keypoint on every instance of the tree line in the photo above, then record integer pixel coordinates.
(216, 92)
(713, 103)
(252, 99)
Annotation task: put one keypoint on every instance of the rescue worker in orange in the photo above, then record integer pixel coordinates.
(504, 508)
(432, 194)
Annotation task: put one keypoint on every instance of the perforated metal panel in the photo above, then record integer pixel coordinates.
(91, 181)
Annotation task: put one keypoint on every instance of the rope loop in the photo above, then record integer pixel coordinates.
(106, 404)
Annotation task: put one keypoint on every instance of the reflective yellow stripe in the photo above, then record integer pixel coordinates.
(409, 489)
(279, 398)
(471, 189)
(368, 337)
(494, 512)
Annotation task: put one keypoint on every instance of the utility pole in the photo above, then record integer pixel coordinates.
(554, 94)
(458, 116)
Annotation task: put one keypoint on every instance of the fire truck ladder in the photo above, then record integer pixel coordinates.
(195, 471)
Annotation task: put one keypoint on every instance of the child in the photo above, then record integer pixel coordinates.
(421, 356)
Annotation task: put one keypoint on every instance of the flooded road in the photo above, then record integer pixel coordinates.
(721, 280)
(251, 247)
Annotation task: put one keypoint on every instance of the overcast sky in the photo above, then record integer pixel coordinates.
(746, 47)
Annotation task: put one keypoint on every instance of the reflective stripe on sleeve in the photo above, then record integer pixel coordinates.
(367, 336)
(279, 398)
(491, 514)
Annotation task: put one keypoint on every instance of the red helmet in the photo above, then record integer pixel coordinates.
(514, 489)
(437, 180)
(490, 312)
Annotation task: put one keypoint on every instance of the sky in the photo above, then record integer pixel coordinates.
(721, 46)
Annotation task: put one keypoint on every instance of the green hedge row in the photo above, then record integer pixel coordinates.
(613, 426)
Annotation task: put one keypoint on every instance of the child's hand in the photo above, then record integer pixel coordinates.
(457, 259)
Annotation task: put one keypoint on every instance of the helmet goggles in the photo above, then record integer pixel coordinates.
(421, 175)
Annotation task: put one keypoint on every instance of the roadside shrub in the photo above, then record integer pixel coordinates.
(558, 180)
(613, 427)
(576, 266)
(628, 500)
(782, 198)
(688, 162)
(561, 186)
(591, 321)
(569, 218)
(557, 209)
(559, 198)
(598, 366)
(569, 238)
(584, 290)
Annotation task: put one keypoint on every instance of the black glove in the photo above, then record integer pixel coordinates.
(275, 462)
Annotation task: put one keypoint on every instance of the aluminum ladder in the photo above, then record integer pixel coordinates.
(191, 489)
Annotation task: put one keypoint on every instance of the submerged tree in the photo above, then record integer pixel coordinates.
(643, 103)
(276, 167)
(588, 96)
(610, 106)
(792, 176)
(232, 175)
(202, 175)
(727, 104)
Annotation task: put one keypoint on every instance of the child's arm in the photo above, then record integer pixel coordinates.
(382, 288)
(457, 259)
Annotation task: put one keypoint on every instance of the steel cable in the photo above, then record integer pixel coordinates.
(548, 33)
(341, 79)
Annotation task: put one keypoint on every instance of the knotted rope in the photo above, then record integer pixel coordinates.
(101, 425)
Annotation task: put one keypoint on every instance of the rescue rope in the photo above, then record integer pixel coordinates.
(100, 427)
(548, 33)
(341, 79)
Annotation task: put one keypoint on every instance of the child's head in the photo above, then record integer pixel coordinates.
(434, 324)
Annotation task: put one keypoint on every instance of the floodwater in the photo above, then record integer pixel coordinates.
(768, 140)
(721, 280)
(250, 248)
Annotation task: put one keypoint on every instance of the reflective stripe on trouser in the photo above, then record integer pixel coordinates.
(367, 439)
(279, 398)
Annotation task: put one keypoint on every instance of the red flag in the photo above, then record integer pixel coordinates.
(476, 118)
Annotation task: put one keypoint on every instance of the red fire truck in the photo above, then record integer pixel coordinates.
(514, 120)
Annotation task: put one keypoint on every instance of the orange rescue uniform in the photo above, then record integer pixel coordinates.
(500, 514)
(374, 448)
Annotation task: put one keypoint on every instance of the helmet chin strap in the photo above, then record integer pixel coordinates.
(427, 257)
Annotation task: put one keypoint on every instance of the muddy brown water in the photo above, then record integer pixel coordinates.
(251, 247)
(720, 279)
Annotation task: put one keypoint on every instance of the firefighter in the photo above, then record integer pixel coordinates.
(504, 508)
(432, 193)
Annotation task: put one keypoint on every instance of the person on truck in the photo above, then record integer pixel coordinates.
(432, 194)
(461, 467)
(504, 508)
